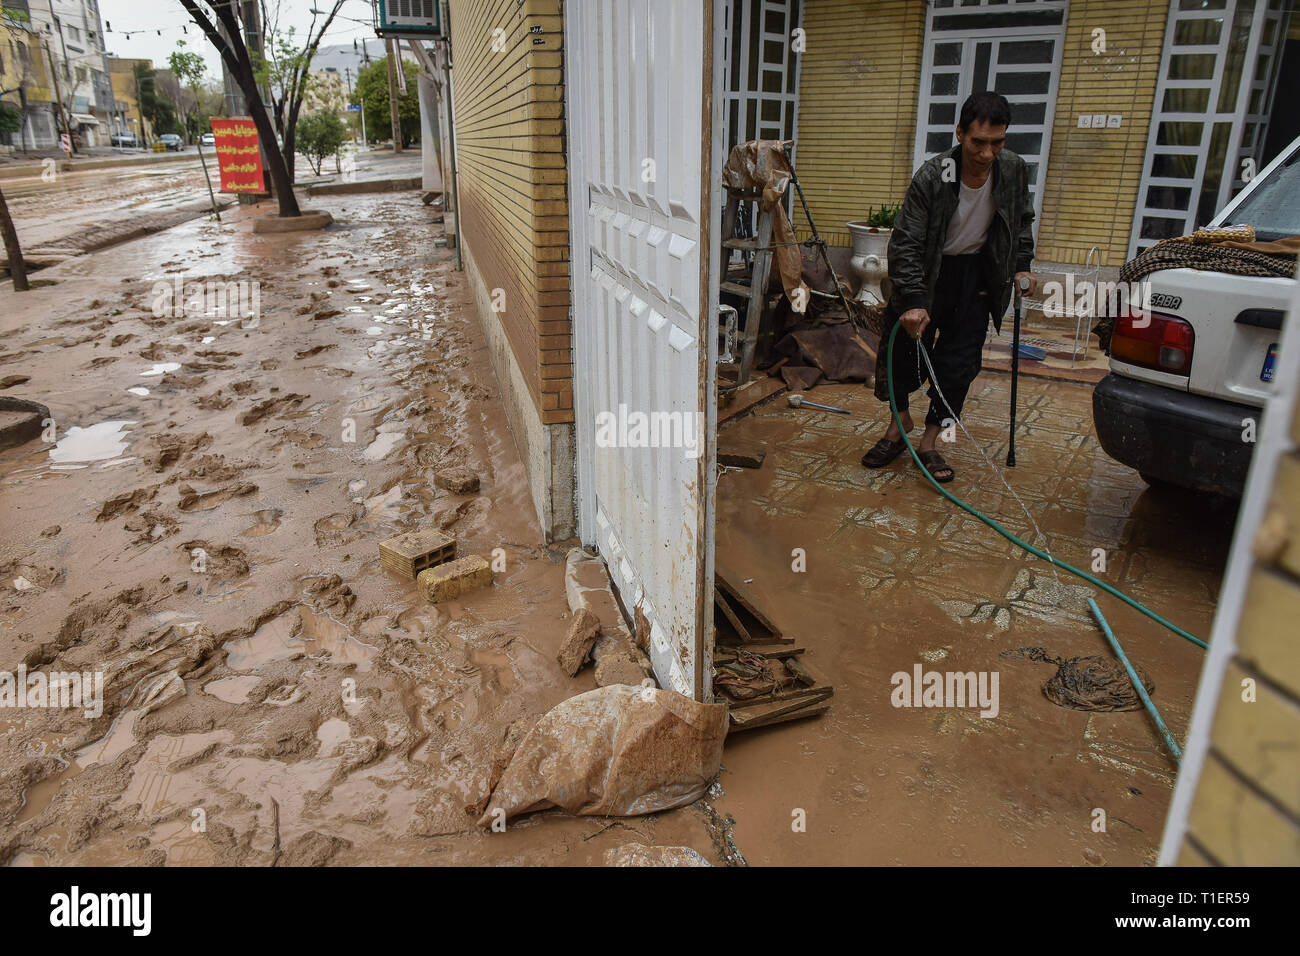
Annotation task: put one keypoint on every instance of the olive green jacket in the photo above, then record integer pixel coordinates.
(916, 244)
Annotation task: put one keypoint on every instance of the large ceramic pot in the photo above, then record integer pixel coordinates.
(870, 261)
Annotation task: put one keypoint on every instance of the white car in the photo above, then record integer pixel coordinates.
(207, 139)
(1187, 383)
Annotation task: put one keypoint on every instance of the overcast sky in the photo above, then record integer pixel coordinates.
(168, 17)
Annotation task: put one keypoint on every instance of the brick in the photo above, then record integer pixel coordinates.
(453, 579)
(578, 642)
(409, 554)
(458, 480)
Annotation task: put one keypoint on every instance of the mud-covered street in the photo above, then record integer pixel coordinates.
(207, 517)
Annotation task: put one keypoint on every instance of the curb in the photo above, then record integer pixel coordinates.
(366, 186)
(25, 429)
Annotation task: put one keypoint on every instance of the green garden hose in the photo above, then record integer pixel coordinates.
(893, 407)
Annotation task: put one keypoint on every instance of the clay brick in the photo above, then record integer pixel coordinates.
(577, 645)
(457, 480)
(450, 580)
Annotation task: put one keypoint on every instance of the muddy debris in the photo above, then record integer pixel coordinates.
(578, 643)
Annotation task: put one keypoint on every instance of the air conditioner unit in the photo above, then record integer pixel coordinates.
(408, 18)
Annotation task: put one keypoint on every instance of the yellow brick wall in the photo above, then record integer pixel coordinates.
(1091, 187)
(513, 181)
(861, 75)
(1246, 811)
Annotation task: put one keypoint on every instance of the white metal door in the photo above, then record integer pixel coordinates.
(643, 203)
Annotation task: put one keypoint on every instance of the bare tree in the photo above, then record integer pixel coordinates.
(285, 68)
(17, 267)
(219, 21)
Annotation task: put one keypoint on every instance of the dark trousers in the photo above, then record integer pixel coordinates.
(954, 340)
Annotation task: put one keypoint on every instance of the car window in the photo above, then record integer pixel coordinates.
(1273, 207)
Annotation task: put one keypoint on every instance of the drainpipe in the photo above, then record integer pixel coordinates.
(451, 127)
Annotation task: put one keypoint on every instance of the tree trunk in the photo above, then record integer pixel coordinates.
(17, 267)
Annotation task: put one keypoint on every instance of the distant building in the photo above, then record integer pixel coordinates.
(128, 114)
(69, 36)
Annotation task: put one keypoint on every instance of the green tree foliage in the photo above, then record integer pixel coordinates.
(11, 118)
(157, 108)
(189, 69)
(372, 92)
(320, 135)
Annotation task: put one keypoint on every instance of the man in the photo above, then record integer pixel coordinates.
(964, 233)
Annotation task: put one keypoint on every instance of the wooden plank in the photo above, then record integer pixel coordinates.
(776, 715)
(735, 453)
(721, 603)
(800, 697)
(733, 586)
(723, 654)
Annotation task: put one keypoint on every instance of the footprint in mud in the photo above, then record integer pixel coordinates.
(244, 387)
(272, 406)
(331, 528)
(119, 340)
(101, 361)
(151, 526)
(125, 503)
(9, 381)
(221, 562)
(214, 402)
(326, 314)
(305, 440)
(316, 350)
(21, 577)
(157, 352)
(192, 500)
(172, 447)
(268, 520)
(339, 372)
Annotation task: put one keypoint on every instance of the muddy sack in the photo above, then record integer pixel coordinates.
(614, 751)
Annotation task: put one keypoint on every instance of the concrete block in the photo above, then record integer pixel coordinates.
(446, 581)
(409, 554)
(457, 480)
(309, 220)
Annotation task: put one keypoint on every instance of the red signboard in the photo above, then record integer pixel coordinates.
(238, 157)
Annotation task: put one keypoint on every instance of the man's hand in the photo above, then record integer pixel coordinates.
(1033, 283)
(915, 321)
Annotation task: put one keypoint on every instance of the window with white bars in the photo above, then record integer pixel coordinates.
(1217, 76)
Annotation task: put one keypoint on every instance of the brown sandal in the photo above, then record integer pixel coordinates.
(882, 453)
(933, 462)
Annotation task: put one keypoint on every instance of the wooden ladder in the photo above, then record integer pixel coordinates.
(761, 267)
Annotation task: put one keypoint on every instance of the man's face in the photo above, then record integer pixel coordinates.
(981, 144)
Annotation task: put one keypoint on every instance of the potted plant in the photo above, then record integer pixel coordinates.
(870, 261)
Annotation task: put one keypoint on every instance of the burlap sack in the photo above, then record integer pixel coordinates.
(614, 751)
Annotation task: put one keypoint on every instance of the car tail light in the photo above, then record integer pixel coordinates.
(1155, 341)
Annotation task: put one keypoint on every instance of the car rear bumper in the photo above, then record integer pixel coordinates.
(1178, 437)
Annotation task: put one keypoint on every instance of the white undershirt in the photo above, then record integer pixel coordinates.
(970, 223)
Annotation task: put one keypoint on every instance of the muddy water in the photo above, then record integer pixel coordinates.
(896, 577)
(329, 714)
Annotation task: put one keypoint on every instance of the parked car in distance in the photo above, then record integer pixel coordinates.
(207, 139)
(127, 140)
(173, 142)
(1187, 382)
